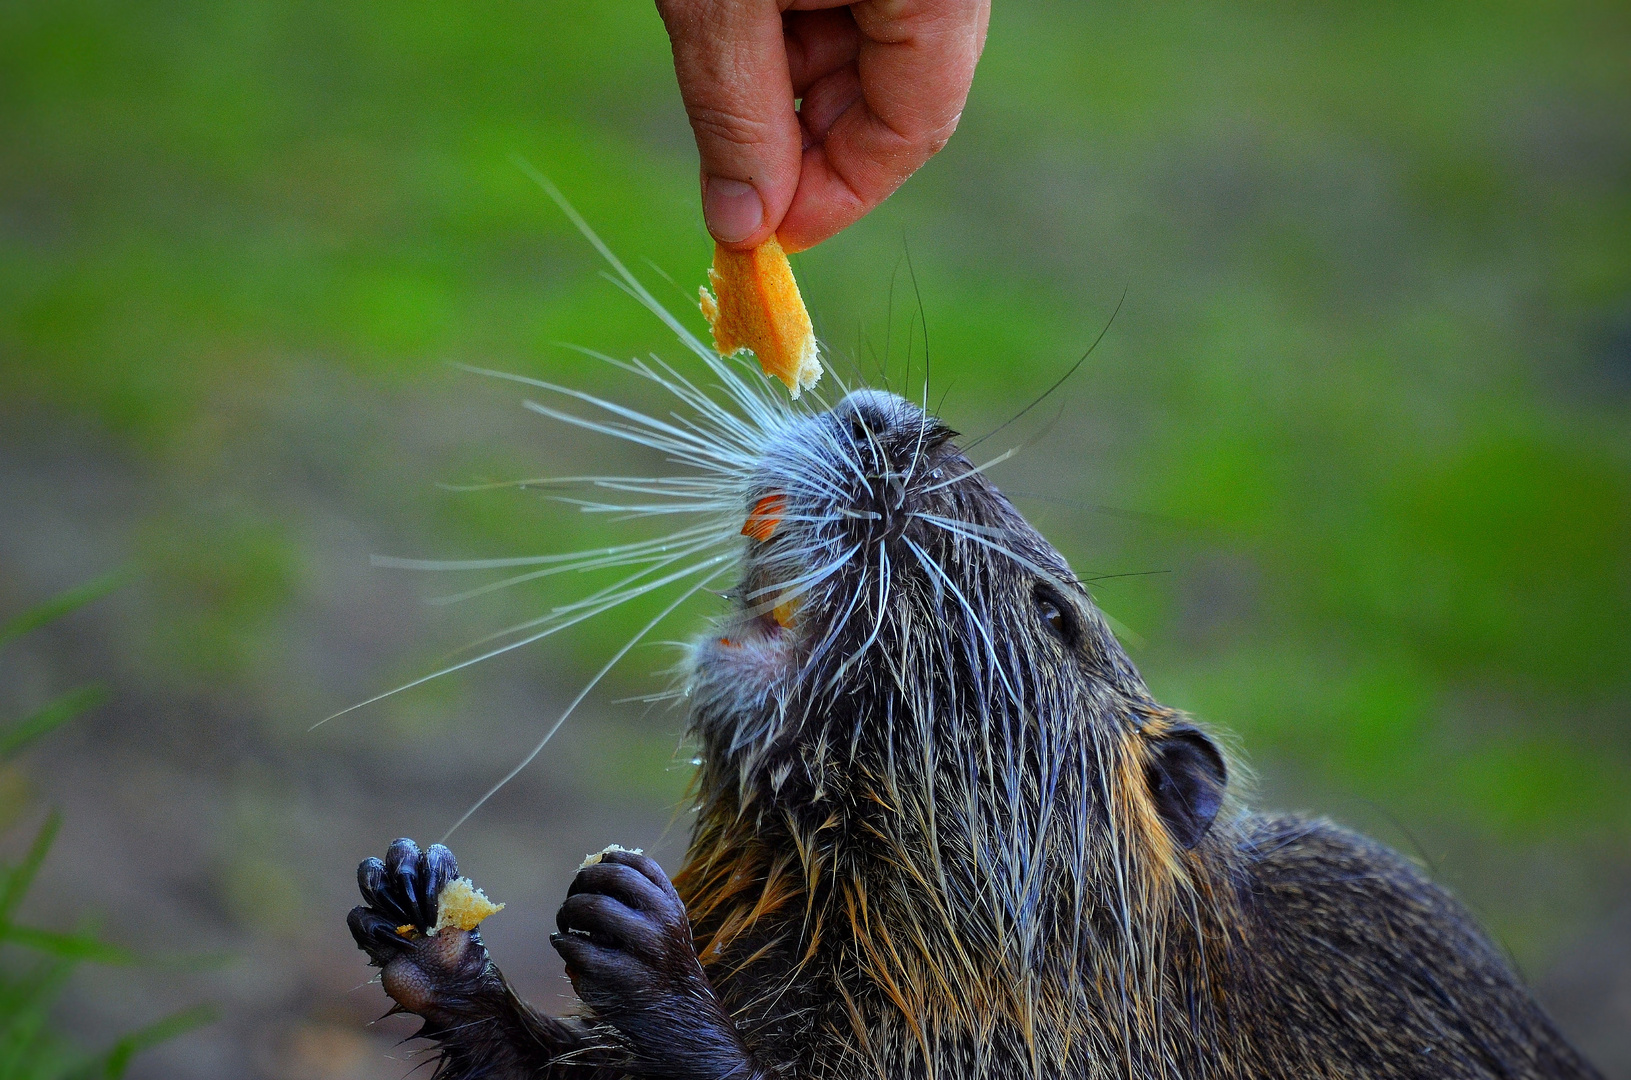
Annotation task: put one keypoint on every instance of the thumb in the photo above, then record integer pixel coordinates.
(731, 61)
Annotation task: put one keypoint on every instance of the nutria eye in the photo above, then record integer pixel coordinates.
(1056, 614)
(858, 430)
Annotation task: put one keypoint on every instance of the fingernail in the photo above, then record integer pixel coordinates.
(731, 208)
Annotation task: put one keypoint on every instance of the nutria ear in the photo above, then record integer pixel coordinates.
(1187, 776)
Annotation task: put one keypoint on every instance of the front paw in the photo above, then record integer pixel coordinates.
(628, 949)
(439, 976)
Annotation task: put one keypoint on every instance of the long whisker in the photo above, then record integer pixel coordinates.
(755, 400)
(1059, 382)
(969, 531)
(684, 446)
(804, 582)
(975, 471)
(679, 487)
(534, 560)
(625, 412)
(528, 640)
(590, 685)
(660, 557)
(639, 510)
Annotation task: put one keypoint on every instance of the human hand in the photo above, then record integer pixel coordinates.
(882, 84)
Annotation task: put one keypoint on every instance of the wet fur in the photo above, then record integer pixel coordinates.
(942, 837)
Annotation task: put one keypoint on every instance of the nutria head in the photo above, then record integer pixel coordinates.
(897, 615)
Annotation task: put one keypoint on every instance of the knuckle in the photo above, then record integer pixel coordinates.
(722, 125)
(637, 884)
(603, 878)
(643, 866)
(576, 911)
(898, 21)
(620, 866)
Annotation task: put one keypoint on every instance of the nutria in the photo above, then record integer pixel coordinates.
(944, 830)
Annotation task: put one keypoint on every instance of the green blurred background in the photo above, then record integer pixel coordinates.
(1360, 437)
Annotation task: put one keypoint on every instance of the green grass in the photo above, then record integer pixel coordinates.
(35, 963)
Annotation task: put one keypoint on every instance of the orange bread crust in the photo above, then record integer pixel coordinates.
(755, 304)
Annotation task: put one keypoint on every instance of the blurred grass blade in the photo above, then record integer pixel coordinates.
(25, 1046)
(59, 605)
(117, 1060)
(19, 733)
(18, 878)
(66, 946)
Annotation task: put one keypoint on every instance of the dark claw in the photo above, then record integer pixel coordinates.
(376, 891)
(404, 886)
(401, 868)
(375, 935)
(436, 869)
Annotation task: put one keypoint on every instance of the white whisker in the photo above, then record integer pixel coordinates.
(660, 557)
(961, 528)
(528, 640)
(598, 602)
(974, 618)
(590, 685)
(975, 471)
(802, 584)
(635, 510)
(396, 563)
(877, 624)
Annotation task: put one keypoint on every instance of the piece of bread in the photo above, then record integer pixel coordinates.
(755, 304)
(460, 904)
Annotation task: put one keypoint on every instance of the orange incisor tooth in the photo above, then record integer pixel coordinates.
(783, 612)
(765, 516)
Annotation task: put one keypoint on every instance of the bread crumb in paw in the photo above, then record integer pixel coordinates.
(461, 905)
(591, 860)
(755, 304)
